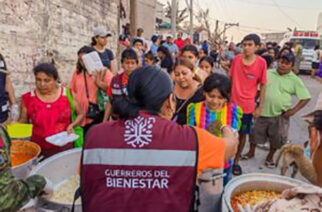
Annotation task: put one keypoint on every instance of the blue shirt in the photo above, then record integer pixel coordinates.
(154, 49)
(172, 48)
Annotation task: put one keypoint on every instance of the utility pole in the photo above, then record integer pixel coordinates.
(227, 26)
(133, 17)
(173, 17)
(216, 31)
(191, 19)
(190, 7)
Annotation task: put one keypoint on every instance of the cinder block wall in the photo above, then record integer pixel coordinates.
(44, 30)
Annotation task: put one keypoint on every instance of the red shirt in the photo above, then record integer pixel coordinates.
(245, 81)
(117, 86)
(47, 118)
(179, 43)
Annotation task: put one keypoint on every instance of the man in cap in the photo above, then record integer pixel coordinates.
(170, 45)
(273, 123)
(99, 42)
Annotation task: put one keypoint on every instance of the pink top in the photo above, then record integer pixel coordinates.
(77, 84)
(47, 118)
(245, 81)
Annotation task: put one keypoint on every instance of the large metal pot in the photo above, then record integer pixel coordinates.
(57, 169)
(255, 181)
(22, 171)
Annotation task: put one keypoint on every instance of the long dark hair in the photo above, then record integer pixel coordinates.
(48, 69)
(4, 62)
(220, 82)
(318, 120)
(85, 49)
(208, 59)
(165, 51)
(94, 42)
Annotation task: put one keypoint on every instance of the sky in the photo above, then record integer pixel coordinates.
(259, 16)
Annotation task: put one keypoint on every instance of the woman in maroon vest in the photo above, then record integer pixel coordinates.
(145, 162)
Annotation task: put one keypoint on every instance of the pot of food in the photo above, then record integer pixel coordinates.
(255, 188)
(62, 170)
(24, 155)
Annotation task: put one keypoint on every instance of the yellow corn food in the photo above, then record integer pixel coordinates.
(253, 198)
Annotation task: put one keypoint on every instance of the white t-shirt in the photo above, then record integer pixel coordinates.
(315, 56)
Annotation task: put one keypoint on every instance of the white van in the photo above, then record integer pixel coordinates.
(309, 40)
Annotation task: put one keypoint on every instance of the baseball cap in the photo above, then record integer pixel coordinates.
(154, 38)
(169, 35)
(101, 32)
(289, 58)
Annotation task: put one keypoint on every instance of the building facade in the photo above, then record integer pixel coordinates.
(35, 31)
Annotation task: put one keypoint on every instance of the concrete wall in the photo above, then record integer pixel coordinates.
(40, 30)
(146, 17)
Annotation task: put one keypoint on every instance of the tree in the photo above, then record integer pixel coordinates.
(181, 14)
(214, 35)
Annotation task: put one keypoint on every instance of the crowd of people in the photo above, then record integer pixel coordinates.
(218, 93)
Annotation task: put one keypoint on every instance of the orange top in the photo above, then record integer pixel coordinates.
(77, 84)
(211, 152)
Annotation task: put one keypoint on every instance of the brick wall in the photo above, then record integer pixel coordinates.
(41, 30)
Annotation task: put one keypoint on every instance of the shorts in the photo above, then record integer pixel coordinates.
(272, 129)
(315, 65)
(246, 124)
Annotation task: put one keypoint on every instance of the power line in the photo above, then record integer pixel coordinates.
(285, 14)
(260, 28)
(273, 5)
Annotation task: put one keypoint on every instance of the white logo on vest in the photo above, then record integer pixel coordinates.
(138, 132)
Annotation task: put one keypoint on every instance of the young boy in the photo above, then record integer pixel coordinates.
(247, 72)
(138, 46)
(118, 86)
(273, 123)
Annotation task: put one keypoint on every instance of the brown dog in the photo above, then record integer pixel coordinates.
(293, 155)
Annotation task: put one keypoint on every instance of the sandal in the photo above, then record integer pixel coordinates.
(270, 164)
(236, 170)
(245, 157)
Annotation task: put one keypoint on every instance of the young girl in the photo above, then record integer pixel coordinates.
(216, 109)
(149, 59)
(190, 52)
(206, 64)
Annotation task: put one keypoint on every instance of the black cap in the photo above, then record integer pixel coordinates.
(289, 58)
(154, 38)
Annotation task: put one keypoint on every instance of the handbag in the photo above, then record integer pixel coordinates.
(78, 129)
(93, 111)
(102, 97)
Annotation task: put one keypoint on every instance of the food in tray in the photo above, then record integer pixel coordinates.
(253, 198)
(19, 158)
(64, 193)
(22, 151)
